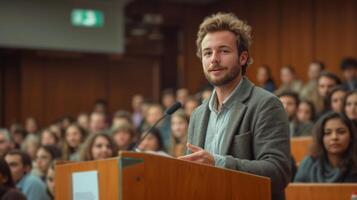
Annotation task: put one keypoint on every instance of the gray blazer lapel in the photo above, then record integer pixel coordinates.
(234, 122)
(202, 122)
(239, 107)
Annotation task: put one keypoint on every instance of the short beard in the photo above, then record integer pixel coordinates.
(233, 73)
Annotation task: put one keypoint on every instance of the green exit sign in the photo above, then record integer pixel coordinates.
(87, 18)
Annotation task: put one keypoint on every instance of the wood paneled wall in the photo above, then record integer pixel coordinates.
(285, 32)
(293, 32)
(48, 88)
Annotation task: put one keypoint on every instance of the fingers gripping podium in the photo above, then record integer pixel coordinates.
(141, 176)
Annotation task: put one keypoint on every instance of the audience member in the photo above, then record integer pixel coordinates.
(290, 101)
(335, 98)
(18, 136)
(191, 104)
(154, 113)
(100, 106)
(152, 142)
(8, 190)
(350, 106)
(306, 112)
(30, 146)
(325, 83)
(20, 165)
(50, 181)
(181, 95)
(98, 146)
(97, 122)
(289, 82)
(136, 104)
(45, 155)
(49, 138)
(31, 126)
(121, 117)
(334, 155)
(309, 90)
(349, 70)
(5, 142)
(123, 136)
(83, 121)
(74, 137)
(179, 126)
(265, 79)
(168, 98)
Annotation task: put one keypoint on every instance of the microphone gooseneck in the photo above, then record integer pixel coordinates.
(168, 111)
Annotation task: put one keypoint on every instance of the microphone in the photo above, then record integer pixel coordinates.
(167, 112)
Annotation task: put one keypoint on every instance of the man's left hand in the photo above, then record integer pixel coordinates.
(198, 155)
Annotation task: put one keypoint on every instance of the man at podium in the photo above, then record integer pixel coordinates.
(241, 126)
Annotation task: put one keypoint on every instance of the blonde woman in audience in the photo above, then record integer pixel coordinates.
(30, 146)
(49, 138)
(334, 154)
(123, 136)
(350, 106)
(74, 137)
(98, 146)
(179, 126)
(50, 181)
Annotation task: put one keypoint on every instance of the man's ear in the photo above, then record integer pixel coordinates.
(243, 58)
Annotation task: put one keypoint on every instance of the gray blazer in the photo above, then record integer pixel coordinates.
(257, 141)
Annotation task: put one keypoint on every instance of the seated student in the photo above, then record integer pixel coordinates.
(50, 181)
(306, 112)
(98, 146)
(8, 190)
(265, 79)
(152, 142)
(123, 136)
(73, 139)
(44, 157)
(334, 155)
(49, 137)
(290, 101)
(350, 106)
(334, 99)
(30, 185)
(179, 126)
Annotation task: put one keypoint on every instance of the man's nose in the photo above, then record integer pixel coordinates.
(215, 57)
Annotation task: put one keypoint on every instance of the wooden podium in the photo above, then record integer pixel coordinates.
(143, 176)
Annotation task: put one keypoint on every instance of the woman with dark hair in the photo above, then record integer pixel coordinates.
(350, 106)
(7, 185)
(50, 181)
(306, 112)
(45, 155)
(334, 152)
(335, 98)
(98, 146)
(152, 142)
(265, 79)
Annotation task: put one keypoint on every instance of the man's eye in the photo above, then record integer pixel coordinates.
(207, 53)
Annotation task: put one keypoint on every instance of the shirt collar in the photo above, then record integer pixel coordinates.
(228, 102)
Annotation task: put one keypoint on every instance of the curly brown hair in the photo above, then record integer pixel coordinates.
(227, 22)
